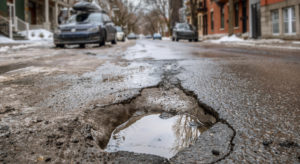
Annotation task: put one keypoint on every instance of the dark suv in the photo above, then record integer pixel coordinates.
(184, 31)
(86, 28)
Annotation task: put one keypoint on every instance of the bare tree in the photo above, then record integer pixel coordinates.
(151, 23)
(174, 8)
(193, 7)
(125, 13)
(161, 9)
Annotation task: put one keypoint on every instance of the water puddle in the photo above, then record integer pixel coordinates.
(158, 134)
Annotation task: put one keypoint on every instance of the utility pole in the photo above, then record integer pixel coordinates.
(231, 17)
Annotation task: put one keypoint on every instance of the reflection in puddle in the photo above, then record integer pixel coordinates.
(155, 135)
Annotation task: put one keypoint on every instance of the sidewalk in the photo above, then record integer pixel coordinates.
(36, 38)
(258, 43)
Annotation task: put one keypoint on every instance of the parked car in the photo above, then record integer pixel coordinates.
(184, 31)
(148, 37)
(157, 36)
(120, 34)
(132, 36)
(86, 28)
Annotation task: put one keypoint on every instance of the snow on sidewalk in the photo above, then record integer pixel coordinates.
(39, 37)
(263, 43)
(4, 39)
(232, 38)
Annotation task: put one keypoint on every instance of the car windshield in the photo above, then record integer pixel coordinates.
(184, 26)
(86, 18)
(119, 29)
(156, 34)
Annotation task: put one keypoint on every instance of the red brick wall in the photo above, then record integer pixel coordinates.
(268, 2)
(212, 6)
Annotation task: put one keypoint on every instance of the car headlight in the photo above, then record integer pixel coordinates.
(57, 31)
(93, 29)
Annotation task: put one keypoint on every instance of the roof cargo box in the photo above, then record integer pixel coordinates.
(87, 7)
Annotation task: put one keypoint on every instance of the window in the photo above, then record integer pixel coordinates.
(236, 14)
(275, 21)
(199, 22)
(289, 20)
(212, 20)
(222, 16)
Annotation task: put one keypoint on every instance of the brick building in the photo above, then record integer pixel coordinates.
(218, 16)
(280, 19)
(213, 17)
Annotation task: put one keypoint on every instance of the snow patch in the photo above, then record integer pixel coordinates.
(38, 34)
(232, 38)
(4, 39)
(166, 38)
(296, 42)
(4, 49)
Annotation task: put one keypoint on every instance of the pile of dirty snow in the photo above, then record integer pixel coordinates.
(4, 39)
(232, 38)
(38, 34)
(4, 49)
(166, 38)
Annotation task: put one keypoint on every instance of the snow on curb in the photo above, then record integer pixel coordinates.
(263, 43)
(232, 38)
(4, 39)
(4, 49)
(37, 37)
(24, 45)
(38, 34)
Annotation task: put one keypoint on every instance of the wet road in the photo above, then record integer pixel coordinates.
(252, 93)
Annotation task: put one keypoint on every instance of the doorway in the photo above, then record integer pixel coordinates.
(32, 12)
(256, 29)
(205, 24)
(244, 15)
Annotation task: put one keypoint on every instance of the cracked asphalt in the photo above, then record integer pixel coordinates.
(61, 105)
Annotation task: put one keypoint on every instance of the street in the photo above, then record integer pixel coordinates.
(62, 105)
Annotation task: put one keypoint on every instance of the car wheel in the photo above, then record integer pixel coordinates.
(82, 45)
(196, 40)
(190, 40)
(60, 46)
(103, 41)
(123, 40)
(177, 39)
(173, 39)
(114, 41)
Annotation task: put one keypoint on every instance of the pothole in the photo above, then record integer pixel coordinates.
(160, 121)
(157, 134)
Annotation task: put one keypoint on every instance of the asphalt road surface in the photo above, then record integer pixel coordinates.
(61, 105)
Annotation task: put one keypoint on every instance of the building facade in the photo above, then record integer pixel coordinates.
(213, 17)
(280, 19)
(31, 14)
(218, 16)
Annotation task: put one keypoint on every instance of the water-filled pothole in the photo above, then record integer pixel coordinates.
(157, 134)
